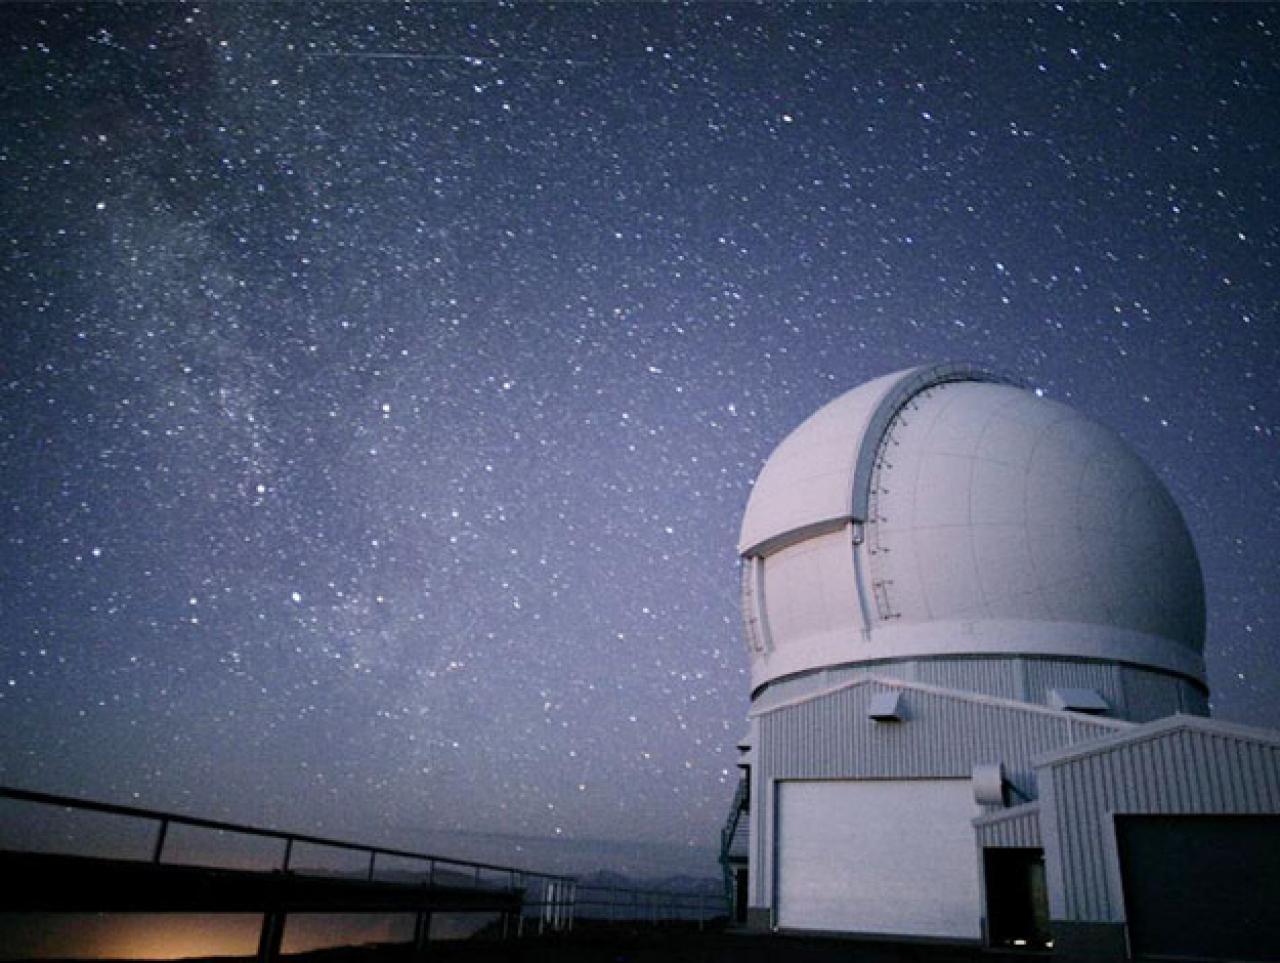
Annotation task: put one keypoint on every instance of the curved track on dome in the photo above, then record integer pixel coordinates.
(944, 512)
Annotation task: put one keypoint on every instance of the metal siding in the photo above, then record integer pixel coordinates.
(1178, 771)
(1133, 693)
(1052, 840)
(1270, 781)
(759, 834)
(1064, 840)
(1080, 788)
(1020, 829)
(1073, 836)
(1194, 701)
(830, 737)
(1044, 674)
(995, 677)
(1150, 695)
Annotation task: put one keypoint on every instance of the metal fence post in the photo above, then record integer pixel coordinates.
(160, 836)
(421, 934)
(271, 937)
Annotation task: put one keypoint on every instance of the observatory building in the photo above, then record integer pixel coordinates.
(975, 621)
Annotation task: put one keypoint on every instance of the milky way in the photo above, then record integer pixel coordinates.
(382, 385)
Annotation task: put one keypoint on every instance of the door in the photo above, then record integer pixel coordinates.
(1017, 898)
(886, 856)
(740, 894)
(1201, 886)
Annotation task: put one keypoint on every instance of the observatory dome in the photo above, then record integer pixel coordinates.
(942, 512)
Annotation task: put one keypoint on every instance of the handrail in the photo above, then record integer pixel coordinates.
(665, 894)
(166, 819)
(618, 903)
(730, 828)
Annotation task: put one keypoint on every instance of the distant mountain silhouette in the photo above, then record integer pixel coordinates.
(555, 854)
(712, 886)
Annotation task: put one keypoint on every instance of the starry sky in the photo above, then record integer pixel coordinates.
(382, 384)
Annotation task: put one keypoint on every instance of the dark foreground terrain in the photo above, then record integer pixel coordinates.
(706, 948)
(624, 944)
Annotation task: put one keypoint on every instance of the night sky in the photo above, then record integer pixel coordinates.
(382, 385)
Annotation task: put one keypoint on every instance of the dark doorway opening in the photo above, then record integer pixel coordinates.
(740, 894)
(1017, 900)
(1201, 886)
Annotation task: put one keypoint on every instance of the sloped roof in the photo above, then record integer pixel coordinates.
(1160, 728)
(1010, 813)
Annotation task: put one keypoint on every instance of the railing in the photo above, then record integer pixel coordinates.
(456, 872)
(550, 900)
(618, 904)
(730, 828)
(553, 901)
(737, 811)
(518, 894)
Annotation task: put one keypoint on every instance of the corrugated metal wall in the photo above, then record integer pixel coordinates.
(1018, 827)
(1133, 693)
(997, 677)
(830, 737)
(1150, 695)
(1194, 701)
(1103, 677)
(944, 736)
(1177, 771)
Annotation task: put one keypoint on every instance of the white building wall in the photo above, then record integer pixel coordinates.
(943, 736)
(1181, 765)
(1134, 693)
(1018, 827)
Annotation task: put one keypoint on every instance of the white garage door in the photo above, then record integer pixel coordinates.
(881, 856)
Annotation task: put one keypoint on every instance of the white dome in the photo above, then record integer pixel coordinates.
(940, 512)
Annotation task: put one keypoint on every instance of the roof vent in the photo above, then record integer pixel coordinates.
(886, 707)
(1078, 700)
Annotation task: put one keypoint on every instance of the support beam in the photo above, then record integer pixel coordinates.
(421, 936)
(271, 938)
